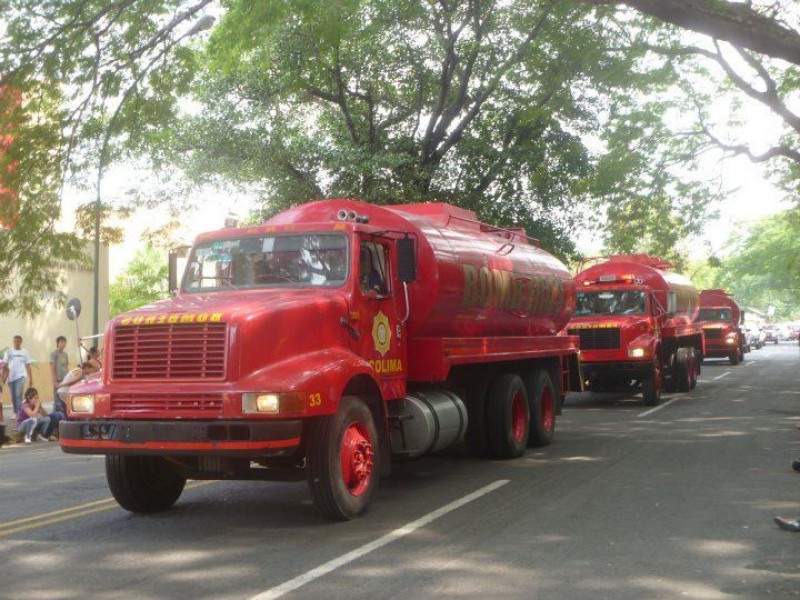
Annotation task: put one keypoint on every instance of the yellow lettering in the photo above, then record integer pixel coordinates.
(485, 286)
(126, 321)
(202, 317)
(216, 317)
(470, 285)
(161, 319)
(187, 318)
(172, 319)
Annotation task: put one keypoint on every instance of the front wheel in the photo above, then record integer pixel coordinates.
(735, 357)
(651, 386)
(344, 460)
(143, 484)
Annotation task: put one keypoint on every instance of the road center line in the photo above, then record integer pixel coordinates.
(41, 520)
(725, 374)
(332, 565)
(659, 407)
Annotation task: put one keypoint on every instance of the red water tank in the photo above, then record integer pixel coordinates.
(473, 279)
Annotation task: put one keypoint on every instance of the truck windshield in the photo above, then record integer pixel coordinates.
(614, 302)
(309, 259)
(714, 314)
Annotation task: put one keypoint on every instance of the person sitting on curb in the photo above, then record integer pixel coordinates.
(32, 418)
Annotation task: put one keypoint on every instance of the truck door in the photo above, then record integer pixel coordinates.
(379, 308)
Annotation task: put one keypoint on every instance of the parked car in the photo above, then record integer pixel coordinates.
(770, 334)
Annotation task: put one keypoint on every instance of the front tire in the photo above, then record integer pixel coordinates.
(508, 416)
(651, 386)
(344, 460)
(684, 367)
(143, 484)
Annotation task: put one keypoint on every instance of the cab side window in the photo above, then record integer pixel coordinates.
(372, 268)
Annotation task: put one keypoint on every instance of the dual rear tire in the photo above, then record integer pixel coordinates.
(514, 412)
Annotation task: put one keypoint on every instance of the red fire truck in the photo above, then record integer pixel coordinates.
(635, 320)
(322, 344)
(721, 318)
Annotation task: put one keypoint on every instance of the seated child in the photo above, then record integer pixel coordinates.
(32, 418)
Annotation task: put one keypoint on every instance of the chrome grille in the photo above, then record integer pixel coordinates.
(713, 334)
(606, 338)
(185, 351)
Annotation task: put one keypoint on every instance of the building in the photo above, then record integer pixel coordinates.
(39, 333)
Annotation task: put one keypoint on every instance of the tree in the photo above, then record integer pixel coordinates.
(764, 265)
(747, 45)
(86, 74)
(143, 281)
(738, 23)
(481, 104)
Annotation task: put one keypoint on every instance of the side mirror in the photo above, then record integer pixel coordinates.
(73, 309)
(177, 262)
(406, 260)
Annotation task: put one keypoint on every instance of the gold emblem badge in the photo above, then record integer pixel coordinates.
(381, 333)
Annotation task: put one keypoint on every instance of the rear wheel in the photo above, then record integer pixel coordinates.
(143, 484)
(651, 386)
(508, 416)
(477, 436)
(344, 460)
(542, 400)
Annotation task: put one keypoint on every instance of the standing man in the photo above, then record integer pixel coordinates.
(18, 361)
(59, 367)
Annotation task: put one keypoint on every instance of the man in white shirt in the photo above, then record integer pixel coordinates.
(18, 361)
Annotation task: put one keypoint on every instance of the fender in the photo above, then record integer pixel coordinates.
(316, 378)
(647, 341)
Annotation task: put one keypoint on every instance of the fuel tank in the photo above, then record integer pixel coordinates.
(674, 293)
(473, 279)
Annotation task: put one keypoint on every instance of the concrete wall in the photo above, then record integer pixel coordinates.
(39, 333)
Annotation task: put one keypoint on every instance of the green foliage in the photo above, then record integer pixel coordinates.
(481, 105)
(764, 266)
(30, 178)
(143, 281)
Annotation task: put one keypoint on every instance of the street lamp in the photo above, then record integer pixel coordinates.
(202, 24)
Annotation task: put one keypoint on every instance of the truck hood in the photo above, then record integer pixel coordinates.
(230, 306)
(265, 326)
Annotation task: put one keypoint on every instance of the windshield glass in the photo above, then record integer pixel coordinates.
(714, 314)
(611, 303)
(309, 259)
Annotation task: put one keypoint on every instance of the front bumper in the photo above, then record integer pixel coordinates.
(617, 370)
(217, 438)
(719, 350)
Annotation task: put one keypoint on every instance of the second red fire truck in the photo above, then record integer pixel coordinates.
(635, 319)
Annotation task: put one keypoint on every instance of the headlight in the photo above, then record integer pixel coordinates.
(730, 340)
(82, 404)
(271, 403)
(261, 403)
(637, 352)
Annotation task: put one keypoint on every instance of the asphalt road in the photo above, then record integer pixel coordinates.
(627, 503)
